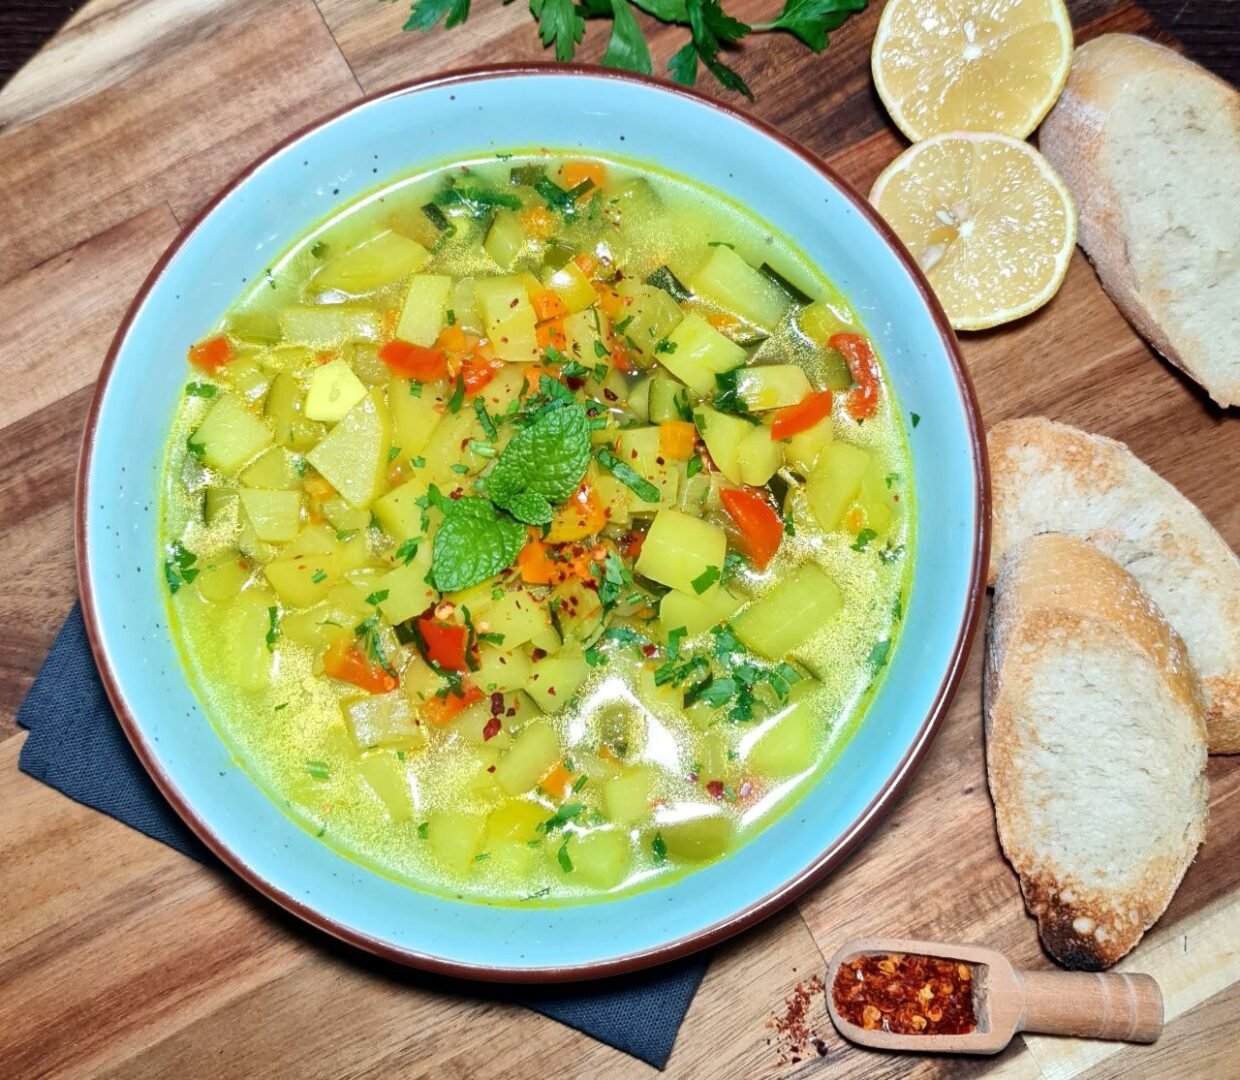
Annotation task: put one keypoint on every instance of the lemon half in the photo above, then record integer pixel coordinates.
(988, 220)
(987, 65)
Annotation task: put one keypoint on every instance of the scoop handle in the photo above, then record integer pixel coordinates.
(1092, 1005)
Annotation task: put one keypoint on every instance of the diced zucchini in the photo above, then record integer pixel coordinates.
(243, 640)
(584, 333)
(464, 307)
(505, 239)
(424, 312)
(696, 352)
(372, 264)
(276, 470)
(409, 591)
(639, 398)
(599, 858)
(454, 838)
(508, 317)
(626, 798)
(344, 518)
(515, 821)
(705, 835)
(578, 611)
(500, 669)
(222, 577)
(399, 512)
(554, 680)
(770, 386)
(353, 457)
(571, 286)
(835, 482)
(533, 753)
(784, 744)
(386, 777)
(649, 316)
(333, 391)
(220, 504)
(680, 550)
(723, 434)
(726, 279)
(275, 515)
(759, 456)
(669, 400)
(284, 412)
(255, 326)
(230, 434)
(384, 720)
(802, 450)
(790, 614)
(639, 449)
(329, 324)
(696, 613)
(246, 377)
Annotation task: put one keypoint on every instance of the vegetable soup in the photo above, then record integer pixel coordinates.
(536, 528)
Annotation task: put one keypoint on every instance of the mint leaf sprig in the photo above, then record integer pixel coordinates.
(561, 23)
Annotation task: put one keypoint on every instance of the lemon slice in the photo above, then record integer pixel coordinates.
(987, 219)
(980, 65)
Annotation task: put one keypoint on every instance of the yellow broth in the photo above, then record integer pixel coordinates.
(644, 701)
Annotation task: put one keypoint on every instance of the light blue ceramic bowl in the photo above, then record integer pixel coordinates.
(270, 205)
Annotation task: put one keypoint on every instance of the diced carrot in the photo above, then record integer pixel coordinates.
(802, 416)
(676, 439)
(414, 361)
(343, 661)
(442, 710)
(537, 221)
(586, 263)
(454, 339)
(605, 752)
(723, 322)
(620, 358)
(318, 488)
(573, 173)
(611, 302)
(557, 782)
(854, 520)
(760, 527)
(445, 643)
(550, 335)
(212, 354)
(863, 367)
(547, 305)
(541, 564)
(582, 515)
(477, 371)
(632, 543)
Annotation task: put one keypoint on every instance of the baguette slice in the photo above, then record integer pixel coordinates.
(1149, 145)
(1048, 477)
(1095, 748)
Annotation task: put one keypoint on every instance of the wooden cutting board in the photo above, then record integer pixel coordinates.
(118, 956)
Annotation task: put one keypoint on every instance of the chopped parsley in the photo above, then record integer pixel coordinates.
(202, 390)
(179, 566)
(674, 638)
(458, 395)
(562, 857)
(319, 576)
(484, 418)
(368, 631)
(408, 549)
(863, 539)
(628, 476)
(273, 628)
(915, 418)
(705, 579)
(376, 598)
(320, 770)
(658, 847)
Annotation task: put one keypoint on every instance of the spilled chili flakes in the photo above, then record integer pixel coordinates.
(906, 994)
(794, 1026)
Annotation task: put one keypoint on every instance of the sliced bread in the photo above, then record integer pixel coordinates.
(1149, 145)
(1049, 477)
(1095, 748)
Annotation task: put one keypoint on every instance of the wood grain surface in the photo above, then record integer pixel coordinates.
(119, 957)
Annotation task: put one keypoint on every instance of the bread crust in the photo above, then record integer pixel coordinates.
(1073, 139)
(1050, 477)
(1052, 590)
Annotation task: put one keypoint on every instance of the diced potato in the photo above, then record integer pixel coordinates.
(515, 821)
(455, 838)
(821, 320)
(345, 518)
(409, 593)
(353, 457)
(243, 640)
(599, 858)
(704, 835)
(302, 580)
(784, 744)
(696, 613)
(246, 377)
(256, 326)
(230, 434)
(386, 777)
(472, 725)
(508, 317)
(384, 720)
(534, 751)
(330, 324)
(465, 307)
(578, 611)
(790, 614)
(584, 334)
(519, 617)
(424, 312)
(333, 391)
(222, 577)
(626, 798)
(876, 498)
(680, 549)
(729, 281)
(802, 450)
(505, 238)
(415, 417)
(419, 681)
(723, 434)
(639, 449)
(511, 860)
(759, 456)
(571, 286)
(220, 504)
(372, 264)
(835, 482)
(478, 598)
(697, 352)
(649, 316)
(275, 515)
(445, 450)
(617, 498)
(554, 680)
(399, 513)
(284, 412)
(275, 470)
(771, 386)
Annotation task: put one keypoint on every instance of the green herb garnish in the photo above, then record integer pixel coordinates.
(202, 390)
(475, 542)
(273, 628)
(863, 539)
(706, 579)
(542, 465)
(408, 549)
(179, 566)
(628, 476)
(320, 770)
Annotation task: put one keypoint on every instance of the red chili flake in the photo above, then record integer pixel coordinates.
(715, 789)
(538, 654)
(659, 461)
(906, 994)
(497, 703)
(648, 651)
(490, 768)
(491, 729)
(794, 1026)
(610, 395)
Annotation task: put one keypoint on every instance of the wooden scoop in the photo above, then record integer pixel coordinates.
(1128, 1008)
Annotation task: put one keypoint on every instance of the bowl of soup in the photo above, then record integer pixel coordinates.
(532, 523)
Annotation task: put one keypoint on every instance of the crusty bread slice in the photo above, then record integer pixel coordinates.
(1149, 144)
(1048, 477)
(1095, 748)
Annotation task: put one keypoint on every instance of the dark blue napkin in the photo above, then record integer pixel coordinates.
(76, 746)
